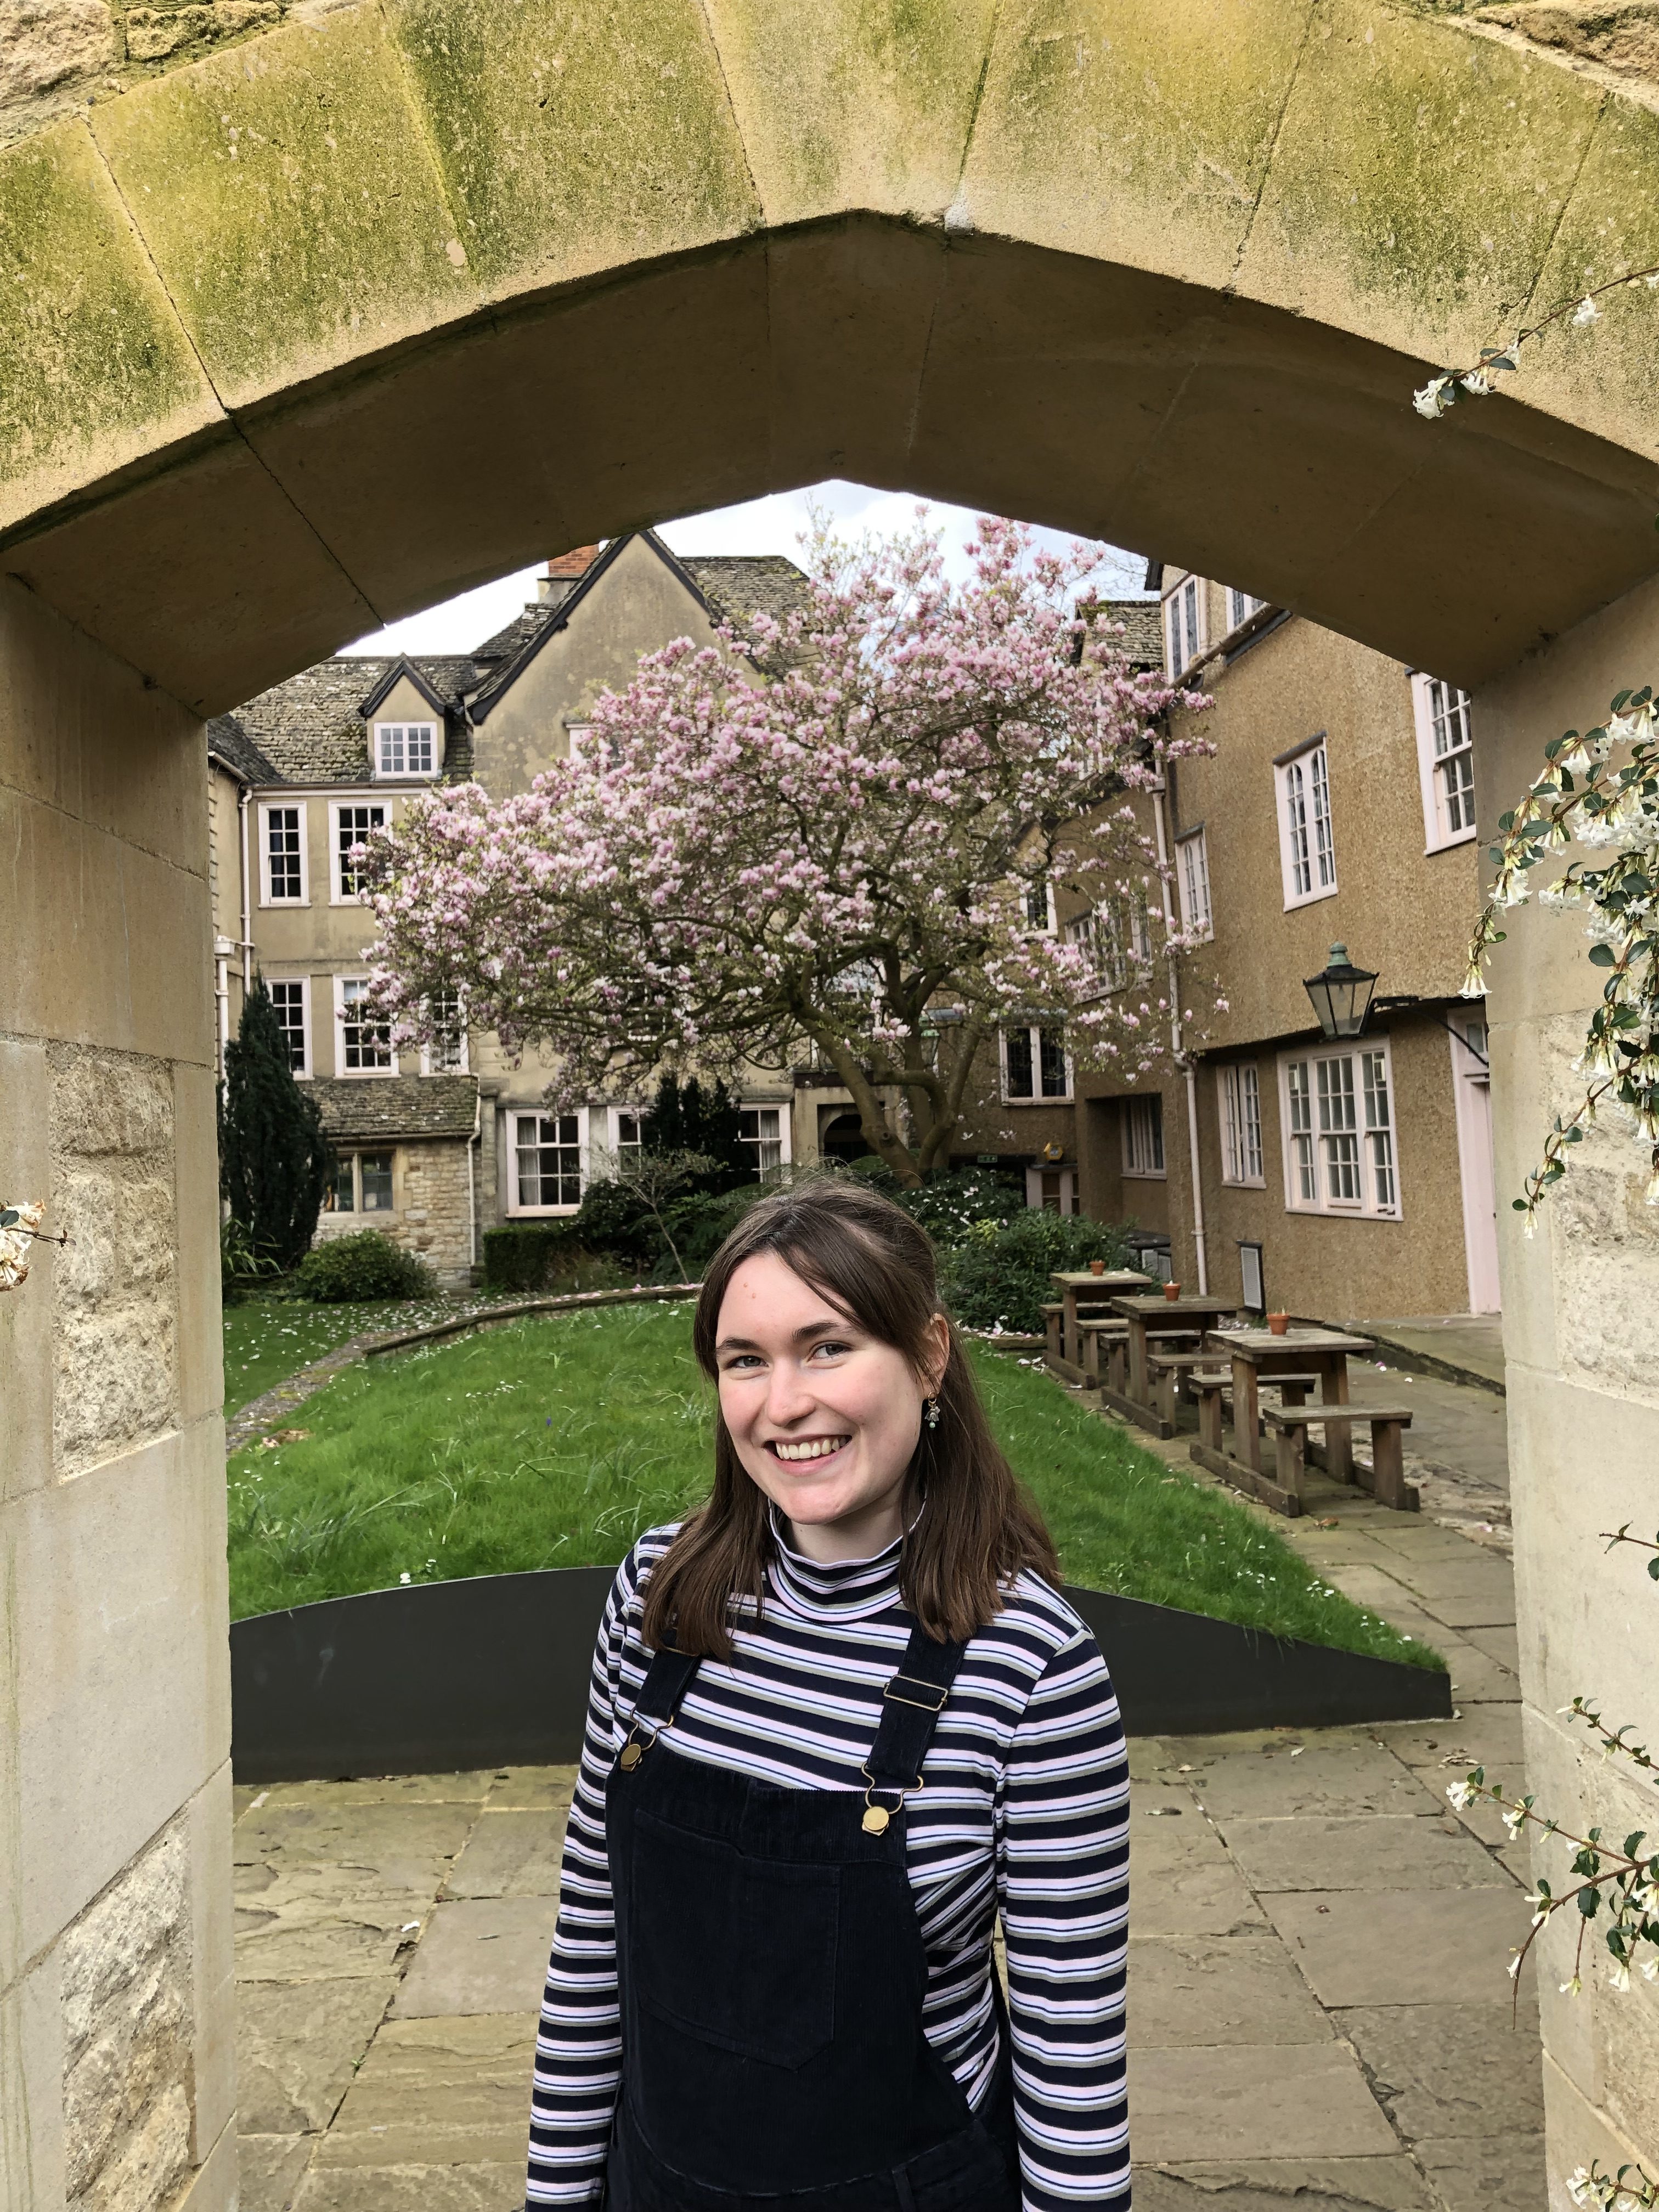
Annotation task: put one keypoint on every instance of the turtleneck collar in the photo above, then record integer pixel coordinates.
(833, 1589)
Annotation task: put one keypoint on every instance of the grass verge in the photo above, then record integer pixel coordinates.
(555, 1441)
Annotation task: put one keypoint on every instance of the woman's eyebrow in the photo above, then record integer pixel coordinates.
(829, 1326)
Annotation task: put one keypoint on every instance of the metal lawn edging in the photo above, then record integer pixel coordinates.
(494, 1671)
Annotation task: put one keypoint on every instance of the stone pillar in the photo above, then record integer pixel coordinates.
(117, 2068)
(1581, 1328)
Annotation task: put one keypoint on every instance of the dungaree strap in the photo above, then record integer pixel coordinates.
(666, 1681)
(911, 1704)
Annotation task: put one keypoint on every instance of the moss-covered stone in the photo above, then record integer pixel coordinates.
(575, 138)
(1139, 132)
(872, 111)
(1419, 175)
(95, 369)
(288, 192)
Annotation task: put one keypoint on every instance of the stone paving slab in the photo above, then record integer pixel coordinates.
(1484, 1736)
(470, 1788)
(515, 1853)
(1325, 2185)
(1188, 1991)
(405, 1846)
(319, 1939)
(1447, 2070)
(296, 2046)
(533, 1788)
(1477, 1678)
(1253, 2100)
(1182, 1881)
(1311, 1777)
(1500, 1642)
(1379, 1851)
(1489, 2174)
(481, 2188)
(1404, 1946)
(480, 1955)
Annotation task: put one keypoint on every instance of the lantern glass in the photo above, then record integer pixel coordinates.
(1341, 994)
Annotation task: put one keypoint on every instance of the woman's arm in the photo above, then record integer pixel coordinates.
(579, 2045)
(1062, 1865)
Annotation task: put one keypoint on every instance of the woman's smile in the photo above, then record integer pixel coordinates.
(795, 1448)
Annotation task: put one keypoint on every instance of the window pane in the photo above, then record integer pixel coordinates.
(364, 1043)
(1379, 1130)
(1295, 827)
(376, 1168)
(1251, 1088)
(1324, 848)
(1021, 1074)
(354, 824)
(761, 1127)
(1036, 905)
(288, 1000)
(1301, 1106)
(1052, 1046)
(339, 1197)
(549, 1159)
(447, 1050)
(391, 750)
(283, 851)
(1195, 882)
(422, 745)
(1457, 789)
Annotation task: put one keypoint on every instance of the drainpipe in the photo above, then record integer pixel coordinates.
(247, 914)
(221, 952)
(1182, 1059)
(472, 1181)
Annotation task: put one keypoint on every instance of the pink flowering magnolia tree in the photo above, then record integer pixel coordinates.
(823, 841)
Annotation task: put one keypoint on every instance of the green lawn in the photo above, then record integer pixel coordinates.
(554, 1441)
(268, 1339)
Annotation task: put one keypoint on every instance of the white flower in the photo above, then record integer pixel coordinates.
(1476, 381)
(1578, 2186)
(17, 1242)
(1649, 1970)
(1619, 1975)
(1435, 396)
(1461, 1794)
(1572, 1989)
(1585, 312)
(405, 1578)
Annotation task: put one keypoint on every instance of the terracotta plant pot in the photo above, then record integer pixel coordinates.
(1096, 1266)
(1279, 1323)
(1172, 1290)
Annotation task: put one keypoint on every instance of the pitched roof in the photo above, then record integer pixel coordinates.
(384, 1109)
(310, 728)
(229, 742)
(740, 585)
(1142, 640)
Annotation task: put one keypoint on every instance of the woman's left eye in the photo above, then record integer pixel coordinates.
(832, 1346)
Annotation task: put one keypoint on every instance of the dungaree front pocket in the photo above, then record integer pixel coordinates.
(738, 1951)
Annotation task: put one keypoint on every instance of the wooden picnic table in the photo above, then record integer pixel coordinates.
(1145, 1315)
(1073, 1282)
(1256, 1353)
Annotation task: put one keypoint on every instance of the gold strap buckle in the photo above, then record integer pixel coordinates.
(876, 1818)
(633, 1751)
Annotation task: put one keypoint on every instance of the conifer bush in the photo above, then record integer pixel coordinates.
(274, 1158)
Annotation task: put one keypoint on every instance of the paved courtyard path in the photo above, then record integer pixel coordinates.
(1320, 2006)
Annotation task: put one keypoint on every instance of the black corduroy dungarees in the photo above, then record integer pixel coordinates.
(772, 1976)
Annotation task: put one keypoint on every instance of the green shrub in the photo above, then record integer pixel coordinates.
(949, 1206)
(616, 1221)
(366, 1265)
(997, 1277)
(526, 1254)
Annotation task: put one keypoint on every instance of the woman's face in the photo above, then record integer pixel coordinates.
(824, 1416)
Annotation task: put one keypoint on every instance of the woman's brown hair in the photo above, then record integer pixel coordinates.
(875, 1265)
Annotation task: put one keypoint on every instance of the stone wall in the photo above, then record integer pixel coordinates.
(1579, 1302)
(117, 2073)
(429, 1214)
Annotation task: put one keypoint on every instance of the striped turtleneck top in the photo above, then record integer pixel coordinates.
(1025, 1812)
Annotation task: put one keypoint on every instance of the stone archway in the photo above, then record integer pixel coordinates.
(363, 308)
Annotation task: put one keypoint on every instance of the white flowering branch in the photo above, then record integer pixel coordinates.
(1444, 389)
(1588, 2185)
(20, 1229)
(1599, 790)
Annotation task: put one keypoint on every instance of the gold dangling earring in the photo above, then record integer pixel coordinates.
(930, 1412)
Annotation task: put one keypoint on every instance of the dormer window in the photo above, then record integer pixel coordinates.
(405, 749)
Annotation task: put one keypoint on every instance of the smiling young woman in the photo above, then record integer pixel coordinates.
(840, 1717)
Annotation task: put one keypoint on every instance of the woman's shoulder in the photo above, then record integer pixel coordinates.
(635, 1570)
(1037, 1624)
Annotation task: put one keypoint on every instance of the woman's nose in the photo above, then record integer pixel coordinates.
(787, 1396)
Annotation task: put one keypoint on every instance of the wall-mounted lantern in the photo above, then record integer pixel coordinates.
(1341, 994)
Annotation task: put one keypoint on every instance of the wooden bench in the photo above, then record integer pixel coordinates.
(1209, 1384)
(1385, 1478)
(1165, 1370)
(1114, 1335)
(1053, 1326)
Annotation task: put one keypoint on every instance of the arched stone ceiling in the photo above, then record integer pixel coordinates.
(370, 307)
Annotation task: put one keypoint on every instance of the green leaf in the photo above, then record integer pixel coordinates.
(1653, 1566)
(1604, 956)
(1619, 702)
(9, 1216)
(1633, 1843)
(1589, 1903)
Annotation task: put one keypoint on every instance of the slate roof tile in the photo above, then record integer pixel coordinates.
(385, 1109)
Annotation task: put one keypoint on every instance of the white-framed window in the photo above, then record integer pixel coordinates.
(406, 749)
(1445, 761)
(1241, 605)
(362, 1047)
(1184, 625)
(1139, 915)
(1035, 1065)
(445, 1052)
(1338, 1114)
(626, 1131)
(349, 822)
(1038, 898)
(363, 1183)
(290, 996)
(1143, 1136)
(284, 868)
(1239, 1099)
(1307, 843)
(765, 1130)
(544, 1163)
(1192, 880)
(576, 736)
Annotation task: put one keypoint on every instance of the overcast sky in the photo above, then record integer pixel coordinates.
(773, 525)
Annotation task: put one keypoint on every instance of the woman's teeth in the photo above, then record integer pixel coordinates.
(809, 1448)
